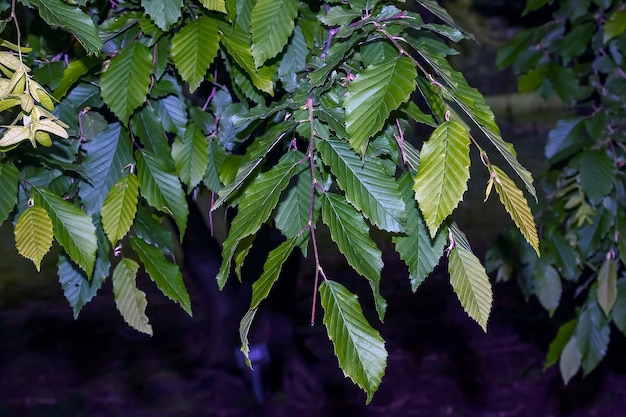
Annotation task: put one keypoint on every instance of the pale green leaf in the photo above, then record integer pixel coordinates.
(166, 275)
(373, 95)
(237, 44)
(471, 284)
(417, 249)
(558, 344)
(607, 285)
(106, 156)
(72, 73)
(548, 287)
(569, 364)
(359, 348)
(119, 208)
(272, 23)
(191, 156)
(9, 177)
(130, 300)
(350, 232)
(164, 13)
(162, 189)
(72, 19)
(244, 330)
(256, 206)
(517, 206)
(216, 5)
(194, 48)
(366, 186)
(125, 84)
(33, 234)
(72, 228)
(443, 173)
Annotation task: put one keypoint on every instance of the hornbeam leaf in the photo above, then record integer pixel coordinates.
(244, 330)
(166, 275)
(359, 348)
(191, 156)
(433, 7)
(350, 232)
(9, 177)
(607, 285)
(71, 18)
(256, 206)
(569, 364)
(119, 208)
(194, 48)
(471, 284)
(33, 234)
(548, 287)
(78, 290)
(558, 343)
(237, 44)
(516, 205)
(415, 246)
(271, 26)
(164, 13)
(592, 335)
(130, 300)
(72, 228)
(366, 186)
(443, 173)
(373, 95)
(217, 5)
(162, 189)
(107, 155)
(125, 84)
(271, 271)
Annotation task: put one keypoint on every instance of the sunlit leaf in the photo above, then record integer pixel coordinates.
(194, 48)
(33, 234)
(191, 156)
(272, 23)
(119, 208)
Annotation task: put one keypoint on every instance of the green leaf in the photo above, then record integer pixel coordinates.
(607, 285)
(293, 61)
(125, 84)
(255, 207)
(78, 290)
(130, 300)
(120, 206)
(442, 14)
(72, 228)
(215, 158)
(513, 200)
(271, 271)
(569, 364)
(272, 23)
(471, 284)
(162, 189)
(415, 247)
(9, 177)
(615, 26)
(107, 155)
(194, 48)
(373, 95)
(164, 13)
(597, 174)
(166, 275)
(293, 211)
(618, 313)
(366, 186)
(592, 334)
(33, 234)
(350, 232)
(237, 44)
(443, 173)
(548, 287)
(191, 156)
(558, 344)
(358, 347)
(217, 5)
(71, 18)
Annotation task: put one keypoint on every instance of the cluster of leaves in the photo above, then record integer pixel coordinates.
(579, 57)
(160, 99)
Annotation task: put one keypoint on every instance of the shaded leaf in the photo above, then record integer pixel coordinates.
(166, 275)
(9, 177)
(358, 347)
(570, 361)
(607, 285)
(164, 13)
(350, 232)
(78, 290)
(548, 287)
(557, 345)
(597, 174)
(191, 156)
(592, 336)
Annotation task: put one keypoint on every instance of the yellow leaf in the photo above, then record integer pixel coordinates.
(33, 234)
